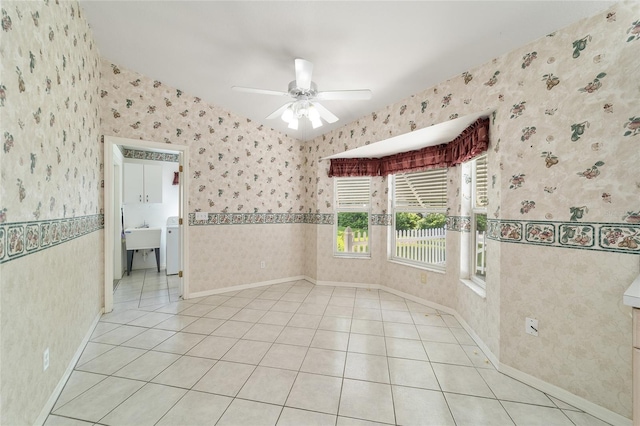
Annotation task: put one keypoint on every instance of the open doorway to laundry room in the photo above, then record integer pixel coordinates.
(144, 190)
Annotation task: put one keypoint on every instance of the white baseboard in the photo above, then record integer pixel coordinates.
(566, 396)
(451, 311)
(343, 284)
(311, 280)
(63, 380)
(555, 391)
(244, 286)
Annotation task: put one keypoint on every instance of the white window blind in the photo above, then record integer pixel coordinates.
(481, 182)
(427, 189)
(353, 192)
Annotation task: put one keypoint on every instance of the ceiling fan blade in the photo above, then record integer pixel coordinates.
(278, 113)
(345, 95)
(325, 113)
(259, 91)
(303, 74)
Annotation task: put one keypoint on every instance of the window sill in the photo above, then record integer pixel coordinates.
(482, 292)
(351, 256)
(422, 267)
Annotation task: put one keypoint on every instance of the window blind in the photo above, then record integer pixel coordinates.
(427, 189)
(481, 182)
(353, 192)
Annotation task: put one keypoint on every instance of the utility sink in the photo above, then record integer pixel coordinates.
(142, 238)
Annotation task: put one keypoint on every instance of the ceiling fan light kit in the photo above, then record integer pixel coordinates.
(298, 109)
(305, 94)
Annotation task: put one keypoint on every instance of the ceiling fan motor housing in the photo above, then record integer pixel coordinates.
(301, 94)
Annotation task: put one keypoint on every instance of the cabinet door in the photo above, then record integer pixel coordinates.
(636, 327)
(636, 386)
(133, 183)
(152, 184)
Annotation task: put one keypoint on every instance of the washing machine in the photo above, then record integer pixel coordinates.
(172, 239)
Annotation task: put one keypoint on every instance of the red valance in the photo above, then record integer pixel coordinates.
(431, 157)
(473, 141)
(354, 167)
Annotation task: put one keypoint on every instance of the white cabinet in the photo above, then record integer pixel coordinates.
(153, 184)
(142, 183)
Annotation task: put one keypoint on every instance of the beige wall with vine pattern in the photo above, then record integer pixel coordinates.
(51, 180)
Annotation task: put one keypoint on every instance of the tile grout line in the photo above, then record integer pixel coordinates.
(346, 356)
(284, 404)
(272, 344)
(249, 377)
(113, 374)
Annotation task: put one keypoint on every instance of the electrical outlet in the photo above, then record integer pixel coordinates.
(423, 277)
(45, 360)
(263, 264)
(531, 326)
(202, 216)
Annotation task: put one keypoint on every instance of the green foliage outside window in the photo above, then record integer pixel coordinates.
(406, 221)
(356, 221)
(481, 222)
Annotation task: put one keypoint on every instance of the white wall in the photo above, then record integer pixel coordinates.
(154, 214)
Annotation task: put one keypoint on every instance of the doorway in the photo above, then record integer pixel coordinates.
(114, 249)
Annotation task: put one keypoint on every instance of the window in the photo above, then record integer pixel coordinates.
(419, 206)
(352, 207)
(479, 201)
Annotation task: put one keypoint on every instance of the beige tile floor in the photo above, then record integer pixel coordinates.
(289, 354)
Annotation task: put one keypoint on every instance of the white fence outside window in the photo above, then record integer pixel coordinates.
(421, 245)
(355, 242)
(417, 245)
(481, 253)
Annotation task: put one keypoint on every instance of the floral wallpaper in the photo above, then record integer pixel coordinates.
(237, 166)
(241, 173)
(51, 197)
(51, 153)
(559, 116)
(563, 169)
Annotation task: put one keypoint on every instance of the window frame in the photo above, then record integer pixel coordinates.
(426, 210)
(477, 209)
(350, 209)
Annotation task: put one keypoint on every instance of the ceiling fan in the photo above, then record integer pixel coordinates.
(306, 96)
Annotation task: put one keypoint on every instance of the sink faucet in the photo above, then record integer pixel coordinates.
(144, 224)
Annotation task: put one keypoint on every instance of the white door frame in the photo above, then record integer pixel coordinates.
(117, 215)
(109, 143)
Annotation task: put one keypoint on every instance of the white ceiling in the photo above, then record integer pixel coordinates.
(437, 134)
(394, 48)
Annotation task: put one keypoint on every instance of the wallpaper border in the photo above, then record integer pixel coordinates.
(19, 239)
(277, 218)
(597, 236)
(610, 237)
(459, 223)
(139, 154)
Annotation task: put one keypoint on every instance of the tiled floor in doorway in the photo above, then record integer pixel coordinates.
(146, 289)
(289, 354)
